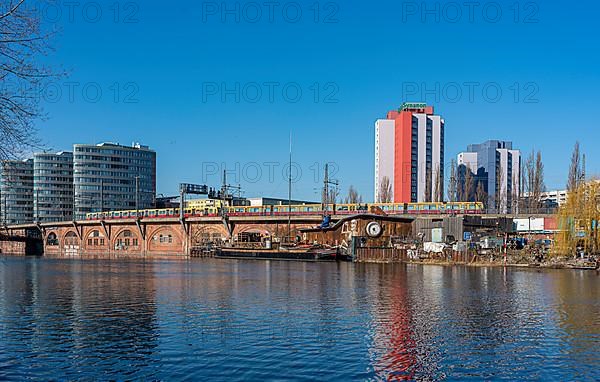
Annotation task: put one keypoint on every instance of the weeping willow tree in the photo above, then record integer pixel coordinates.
(578, 220)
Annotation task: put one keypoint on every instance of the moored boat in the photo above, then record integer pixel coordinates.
(283, 253)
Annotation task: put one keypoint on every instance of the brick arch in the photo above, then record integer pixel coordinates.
(54, 237)
(172, 228)
(271, 229)
(70, 243)
(123, 229)
(255, 229)
(93, 242)
(88, 234)
(261, 228)
(206, 232)
(71, 234)
(122, 242)
(173, 246)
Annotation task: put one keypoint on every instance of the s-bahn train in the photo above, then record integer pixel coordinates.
(450, 208)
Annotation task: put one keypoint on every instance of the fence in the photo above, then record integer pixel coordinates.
(380, 255)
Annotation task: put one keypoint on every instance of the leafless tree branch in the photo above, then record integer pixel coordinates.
(24, 40)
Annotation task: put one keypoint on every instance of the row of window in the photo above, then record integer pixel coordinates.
(123, 179)
(51, 158)
(41, 179)
(53, 206)
(121, 152)
(121, 243)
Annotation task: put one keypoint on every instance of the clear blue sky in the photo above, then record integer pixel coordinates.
(172, 60)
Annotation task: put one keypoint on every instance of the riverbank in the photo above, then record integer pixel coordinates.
(582, 265)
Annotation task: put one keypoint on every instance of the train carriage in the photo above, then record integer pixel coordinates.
(428, 208)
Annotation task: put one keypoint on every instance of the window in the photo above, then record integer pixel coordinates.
(71, 239)
(52, 239)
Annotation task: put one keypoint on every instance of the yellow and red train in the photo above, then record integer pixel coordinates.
(450, 208)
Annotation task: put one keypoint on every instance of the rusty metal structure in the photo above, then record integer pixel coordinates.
(364, 237)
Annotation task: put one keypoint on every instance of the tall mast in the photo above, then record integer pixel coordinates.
(290, 191)
(326, 190)
(224, 191)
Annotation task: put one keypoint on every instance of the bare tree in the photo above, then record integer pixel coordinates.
(452, 185)
(353, 196)
(533, 179)
(435, 189)
(539, 185)
(438, 194)
(469, 186)
(460, 184)
(385, 190)
(574, 169)
(529, 181)
(332, 195)
(500, 198)
(23, 41)
(480, 195)
(515, 196)
(428, 186)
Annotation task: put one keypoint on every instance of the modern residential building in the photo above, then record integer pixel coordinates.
(409, 153)
(558, 196)
(497, 167)
(53, 187)
(555, 197)
(16, 192)
(384, 157)
(110, 176)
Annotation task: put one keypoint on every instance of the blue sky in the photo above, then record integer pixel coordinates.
(208, 91)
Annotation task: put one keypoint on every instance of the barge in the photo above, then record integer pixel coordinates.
(302, 254)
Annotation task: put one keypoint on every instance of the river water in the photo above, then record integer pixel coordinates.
(255, 320)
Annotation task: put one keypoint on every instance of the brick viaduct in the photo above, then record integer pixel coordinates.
(165, 237)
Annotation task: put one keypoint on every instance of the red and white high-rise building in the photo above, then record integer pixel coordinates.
(409, 152)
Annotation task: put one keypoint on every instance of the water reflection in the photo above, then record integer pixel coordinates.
(155, 320)
(75, 319)
(393, 351)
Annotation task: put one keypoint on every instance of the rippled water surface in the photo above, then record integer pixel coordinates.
(245, 320)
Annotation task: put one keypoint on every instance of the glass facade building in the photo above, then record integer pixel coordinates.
(53, 187)
(497, 166)
(16, 192)
(109, 177)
